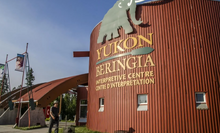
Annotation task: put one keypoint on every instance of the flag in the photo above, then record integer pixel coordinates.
(19, 63)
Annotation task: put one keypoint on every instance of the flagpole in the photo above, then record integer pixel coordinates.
(19, 111)
(3, 76)
(29, 112)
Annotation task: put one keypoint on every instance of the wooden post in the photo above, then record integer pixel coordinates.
(29, 115)
(20, 113)
(60, 103)
(22, 87)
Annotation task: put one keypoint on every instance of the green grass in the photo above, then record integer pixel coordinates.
(60, 130)
(84, 129)
(48, 119)
(81, 129)
(28, 128)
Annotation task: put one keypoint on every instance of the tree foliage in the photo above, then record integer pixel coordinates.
(30, 77)
(14, 88)
(19, 87)
(5, 86)
(68, 105)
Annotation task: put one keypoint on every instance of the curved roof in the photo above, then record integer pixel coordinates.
(15, 94)
(47, 92)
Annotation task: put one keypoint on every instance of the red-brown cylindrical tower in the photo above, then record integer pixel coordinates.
(173, 89)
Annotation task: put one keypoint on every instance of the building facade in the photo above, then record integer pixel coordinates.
(161, 77)
(81, 106)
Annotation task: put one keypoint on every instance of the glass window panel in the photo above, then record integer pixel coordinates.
(200, 97)
(83, 101)
(102, 101)
(142, 99)
(83, 111)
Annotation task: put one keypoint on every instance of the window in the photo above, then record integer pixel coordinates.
(83, 102)
(201, 100)
(101, 104)
(83, 111)
(142, 102)
(200, 97)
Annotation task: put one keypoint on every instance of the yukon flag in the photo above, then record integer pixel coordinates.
(2, 66)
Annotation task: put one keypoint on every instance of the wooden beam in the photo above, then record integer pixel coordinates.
(80, 53)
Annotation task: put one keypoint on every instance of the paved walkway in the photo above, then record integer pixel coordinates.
(9, 129)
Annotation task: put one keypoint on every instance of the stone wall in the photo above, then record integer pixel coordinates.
(1, 111)
(8, 117)
(37, 118)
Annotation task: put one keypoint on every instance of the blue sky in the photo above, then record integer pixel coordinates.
(53, 29)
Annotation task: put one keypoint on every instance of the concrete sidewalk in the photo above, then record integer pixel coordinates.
(9, 129)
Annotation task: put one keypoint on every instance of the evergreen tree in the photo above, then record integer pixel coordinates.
(30, 78)
(5, 86)
(14, 88)
(19, 87)
(68, 105)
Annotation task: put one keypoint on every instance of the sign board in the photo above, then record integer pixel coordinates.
(128, 61)
(47, 111)
(19, 63)
(117, 18)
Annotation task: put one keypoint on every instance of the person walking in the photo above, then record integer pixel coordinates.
(54, 117)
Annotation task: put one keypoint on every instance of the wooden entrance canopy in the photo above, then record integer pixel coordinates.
(47, 92)
(14, 95)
